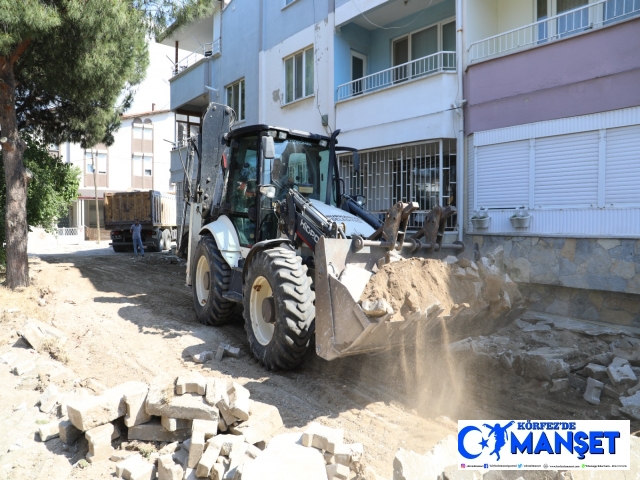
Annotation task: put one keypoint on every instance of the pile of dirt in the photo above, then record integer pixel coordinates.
(467, 297)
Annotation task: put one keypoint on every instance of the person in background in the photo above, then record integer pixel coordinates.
(136, 230)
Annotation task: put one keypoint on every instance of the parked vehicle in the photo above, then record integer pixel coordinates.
(156, 212)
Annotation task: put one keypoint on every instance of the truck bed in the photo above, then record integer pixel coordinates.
(152, 208)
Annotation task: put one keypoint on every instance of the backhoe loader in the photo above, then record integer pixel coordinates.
(270, 228)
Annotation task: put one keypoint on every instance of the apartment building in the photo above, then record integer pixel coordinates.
(383, 72)
(516, 107)
(553, 129)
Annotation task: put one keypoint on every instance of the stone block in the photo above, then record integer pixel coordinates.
(628, 349)
(632, 401)
(36, 333)
(135, 400)
(544, 366)
(239, 401)
(225, 443)
(196, 449)
(203, 357)
(217, 389)
(599, 372)
(263, 423)
(162, 403)
(286, 461)
(593, 391)
(191, 382)
(409, 465)
(236, 458)
(348, 454)
(169, 448)
(141, 470)
(99, 439)
(68, 433)
(217, 471)
(538, 327)
(173, 424)
(153, 431)
(329, 458)
(88, 412)
(208, 460)
(168, 469)
(48, 431)
(323, 438)
(8, 358)
(603, 359)
(49, 398)
(120, 455)
(127, 464)
(208, 427)
(252, 451)
(23, 367)
(620, 372)
(336, 471)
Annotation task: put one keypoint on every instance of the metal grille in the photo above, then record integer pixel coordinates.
(406, 173)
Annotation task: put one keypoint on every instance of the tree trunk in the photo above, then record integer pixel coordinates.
(16, 227)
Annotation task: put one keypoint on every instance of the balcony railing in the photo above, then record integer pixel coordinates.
(553, 28)
(211, 49)
(422, 67)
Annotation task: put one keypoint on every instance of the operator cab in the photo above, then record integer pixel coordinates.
(301, 161)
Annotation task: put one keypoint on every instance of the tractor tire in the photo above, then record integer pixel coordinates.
(279, 309)
(166, 239)
(210, 278)
(157, 245)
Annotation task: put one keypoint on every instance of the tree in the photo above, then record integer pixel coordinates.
(63, 66)
(53, 185)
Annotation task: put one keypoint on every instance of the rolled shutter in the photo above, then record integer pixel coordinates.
(622, 166)
(566, 170)
(503, 175)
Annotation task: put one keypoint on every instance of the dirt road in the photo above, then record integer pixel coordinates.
(131, 318)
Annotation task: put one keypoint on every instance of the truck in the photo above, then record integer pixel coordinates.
(271, 233)
(155, 211)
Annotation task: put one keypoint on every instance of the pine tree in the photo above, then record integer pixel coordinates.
(68, 68)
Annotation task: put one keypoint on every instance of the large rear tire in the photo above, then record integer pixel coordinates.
(279, 308)
(210, 278)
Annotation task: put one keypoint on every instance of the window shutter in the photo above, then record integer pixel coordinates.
(566, 170)
(503, 175)
(622, 166)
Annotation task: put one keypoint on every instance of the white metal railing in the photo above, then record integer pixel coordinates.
(211, 49)
(70, 235)
(429, 65)
(559, 26)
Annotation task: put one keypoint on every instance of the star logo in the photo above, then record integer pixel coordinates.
(484, 443)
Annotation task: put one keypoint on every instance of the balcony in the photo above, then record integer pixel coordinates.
(208, 50)
(395, 76)
(557, 27)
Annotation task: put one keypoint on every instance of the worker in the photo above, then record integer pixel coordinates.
(136, 230)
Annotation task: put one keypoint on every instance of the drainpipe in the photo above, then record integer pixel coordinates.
(460, 178)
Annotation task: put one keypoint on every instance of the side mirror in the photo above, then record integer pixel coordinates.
(356, 162)
(268, 148)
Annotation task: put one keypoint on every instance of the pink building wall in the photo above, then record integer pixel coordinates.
(587, 73)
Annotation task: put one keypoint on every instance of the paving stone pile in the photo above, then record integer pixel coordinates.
(561, 353)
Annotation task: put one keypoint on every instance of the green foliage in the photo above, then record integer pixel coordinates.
(51, 190)
(166, 16)
(79, 70)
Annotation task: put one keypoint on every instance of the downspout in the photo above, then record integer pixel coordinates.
(460, 157)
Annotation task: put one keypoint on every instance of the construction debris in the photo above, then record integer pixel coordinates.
(226, 350)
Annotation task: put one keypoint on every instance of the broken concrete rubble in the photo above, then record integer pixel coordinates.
(191, 382)
(153, 431)
(263, 423)
(161, 402)
(323, 438)
(36, 333)
(593, 391)
(620, 372)
(99, 439)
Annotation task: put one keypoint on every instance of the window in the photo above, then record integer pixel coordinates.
(187, 125)
(298, 75)
(100, 159)
(235, 98)
(147, 165)
(423, 43)
(564, 24)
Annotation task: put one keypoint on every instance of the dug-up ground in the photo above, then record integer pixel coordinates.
(106, 373)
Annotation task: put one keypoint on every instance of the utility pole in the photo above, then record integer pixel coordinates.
(95, 189)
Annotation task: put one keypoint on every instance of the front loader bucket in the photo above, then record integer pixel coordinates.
(477, 303)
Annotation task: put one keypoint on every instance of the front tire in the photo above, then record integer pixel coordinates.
(278, 308)
(210, 278)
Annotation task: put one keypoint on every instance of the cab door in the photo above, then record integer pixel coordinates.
(242, 188)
